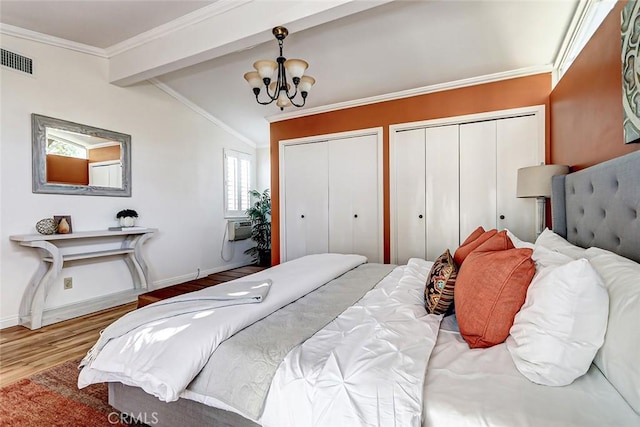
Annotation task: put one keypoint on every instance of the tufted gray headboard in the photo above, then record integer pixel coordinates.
(600, 206)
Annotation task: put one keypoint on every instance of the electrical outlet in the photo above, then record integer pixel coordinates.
(68, 282)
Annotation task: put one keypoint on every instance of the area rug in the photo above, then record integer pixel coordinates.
(52, 398)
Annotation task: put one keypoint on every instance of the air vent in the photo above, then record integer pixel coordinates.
(17, 62)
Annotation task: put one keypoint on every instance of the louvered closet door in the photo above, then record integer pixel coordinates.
(409, 191)
(354, 222)
(477, 177)
(517, 147)
(441, 190)
(306, 199)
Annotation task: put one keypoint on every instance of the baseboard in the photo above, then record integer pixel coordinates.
(7, 322)
(81, 308)
(188, 277)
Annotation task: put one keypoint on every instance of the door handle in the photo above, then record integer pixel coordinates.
(501, 216)
(355, 216)
(420, 216)
(301, 216)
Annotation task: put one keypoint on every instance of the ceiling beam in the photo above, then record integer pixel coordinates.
(225, 27)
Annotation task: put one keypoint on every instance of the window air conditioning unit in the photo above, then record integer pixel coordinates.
(238, 229)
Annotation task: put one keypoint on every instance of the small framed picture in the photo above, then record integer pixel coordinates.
(64, 223)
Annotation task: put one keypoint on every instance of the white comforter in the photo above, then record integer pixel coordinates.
(367, 367)
(163, 354)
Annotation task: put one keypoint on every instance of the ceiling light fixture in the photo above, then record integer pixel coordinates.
(279, 90)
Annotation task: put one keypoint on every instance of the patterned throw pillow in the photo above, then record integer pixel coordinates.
(438, 291)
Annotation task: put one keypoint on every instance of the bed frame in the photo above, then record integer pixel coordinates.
(137, 404)
(597, 206)
(600, 206)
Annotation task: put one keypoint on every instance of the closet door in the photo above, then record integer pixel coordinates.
(478, 190)
(354, 197)
(441, 190)
(517, 147)
(306, 199)
(409, 195)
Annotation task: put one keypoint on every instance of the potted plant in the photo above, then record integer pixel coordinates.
(127, 217)
(260, 215)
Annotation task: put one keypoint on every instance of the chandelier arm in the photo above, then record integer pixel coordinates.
(264, 103)
(304, 101)
(275, 93)
(276, 89)
(294, 93)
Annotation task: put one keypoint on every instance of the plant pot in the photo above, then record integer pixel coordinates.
(264, 258)
(128, 221)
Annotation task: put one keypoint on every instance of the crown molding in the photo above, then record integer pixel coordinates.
(198, 15)
(582, 25)
(23, 33)
(576, 26)
(165, 88)
(217, 8)
(456, 84)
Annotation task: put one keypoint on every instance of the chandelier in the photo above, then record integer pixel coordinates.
(280, 90)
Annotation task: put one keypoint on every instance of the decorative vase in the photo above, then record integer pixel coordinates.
(63, 226)
(46, 226)
(127, 221)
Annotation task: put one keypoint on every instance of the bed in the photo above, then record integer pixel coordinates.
(595, 216)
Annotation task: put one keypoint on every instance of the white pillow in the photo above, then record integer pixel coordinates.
(619, 357)
(517, 242)
(544, 258)
(418, 269)
(557, 243)
(561, 325)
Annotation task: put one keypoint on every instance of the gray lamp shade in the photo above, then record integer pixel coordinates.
(535, 181)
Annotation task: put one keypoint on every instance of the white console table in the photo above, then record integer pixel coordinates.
(32, 312)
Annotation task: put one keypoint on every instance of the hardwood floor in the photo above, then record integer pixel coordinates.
(197, 284)
(24, 352)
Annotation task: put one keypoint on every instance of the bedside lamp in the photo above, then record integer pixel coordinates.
(535, 181)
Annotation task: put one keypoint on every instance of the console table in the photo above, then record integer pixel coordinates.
(32, 312)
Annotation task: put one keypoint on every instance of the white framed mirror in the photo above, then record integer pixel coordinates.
(71, 158)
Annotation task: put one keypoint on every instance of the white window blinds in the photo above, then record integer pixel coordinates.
(237, 182)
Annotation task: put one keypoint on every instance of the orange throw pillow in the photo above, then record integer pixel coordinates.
(490, 289)
(474, 235)
(470, 244)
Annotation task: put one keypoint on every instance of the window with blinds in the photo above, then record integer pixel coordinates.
(237, 182)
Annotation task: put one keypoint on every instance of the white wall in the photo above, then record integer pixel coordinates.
(176, 177)
(263, 165)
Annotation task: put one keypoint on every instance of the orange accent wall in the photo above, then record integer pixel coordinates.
(67, 170)
(586, 105)
(104, 154)
(506, 94)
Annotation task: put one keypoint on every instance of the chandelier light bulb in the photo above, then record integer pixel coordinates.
(295, 68)
(283, 100)
(253, 78)
(265, 68)
(305, 84)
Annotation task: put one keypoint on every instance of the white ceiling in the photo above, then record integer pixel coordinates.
(94, 23)
(356, 50)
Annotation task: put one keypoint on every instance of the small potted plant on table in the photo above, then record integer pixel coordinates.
(127, 217)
